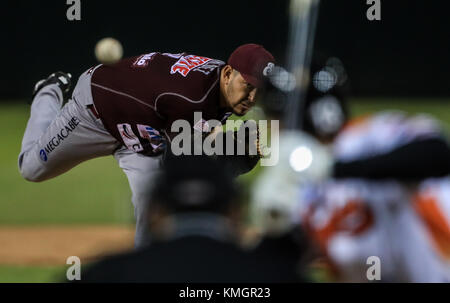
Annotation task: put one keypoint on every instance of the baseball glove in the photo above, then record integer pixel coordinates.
(248, 136)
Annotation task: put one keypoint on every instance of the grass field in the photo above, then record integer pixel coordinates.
(96, 192)
(28, 274)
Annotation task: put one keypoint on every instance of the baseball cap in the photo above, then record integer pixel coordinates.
(254, 63)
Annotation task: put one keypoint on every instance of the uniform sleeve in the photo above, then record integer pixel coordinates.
(236, 164)
(239, 165)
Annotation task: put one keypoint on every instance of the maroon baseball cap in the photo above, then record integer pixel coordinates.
(253, 62)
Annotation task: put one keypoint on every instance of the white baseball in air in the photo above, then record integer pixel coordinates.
(108, 51)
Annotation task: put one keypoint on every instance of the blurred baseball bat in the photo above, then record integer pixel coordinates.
(303, 20)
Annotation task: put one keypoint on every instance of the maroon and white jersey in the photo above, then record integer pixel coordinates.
(138, 98)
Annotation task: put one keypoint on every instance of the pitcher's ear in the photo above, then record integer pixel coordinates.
(227, 71)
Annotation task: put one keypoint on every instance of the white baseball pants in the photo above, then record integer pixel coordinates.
(58, 138)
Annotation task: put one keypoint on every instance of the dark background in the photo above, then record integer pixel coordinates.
(404, 54)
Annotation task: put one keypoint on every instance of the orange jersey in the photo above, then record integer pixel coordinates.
(352, 220)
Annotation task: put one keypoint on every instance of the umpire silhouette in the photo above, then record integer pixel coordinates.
(194, 219)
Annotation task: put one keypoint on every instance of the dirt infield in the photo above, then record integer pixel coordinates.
(52, 245)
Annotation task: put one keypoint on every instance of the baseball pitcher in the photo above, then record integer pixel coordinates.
(126, 110)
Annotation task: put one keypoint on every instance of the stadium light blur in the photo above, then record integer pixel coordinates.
(282, 79)
(301, 158)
